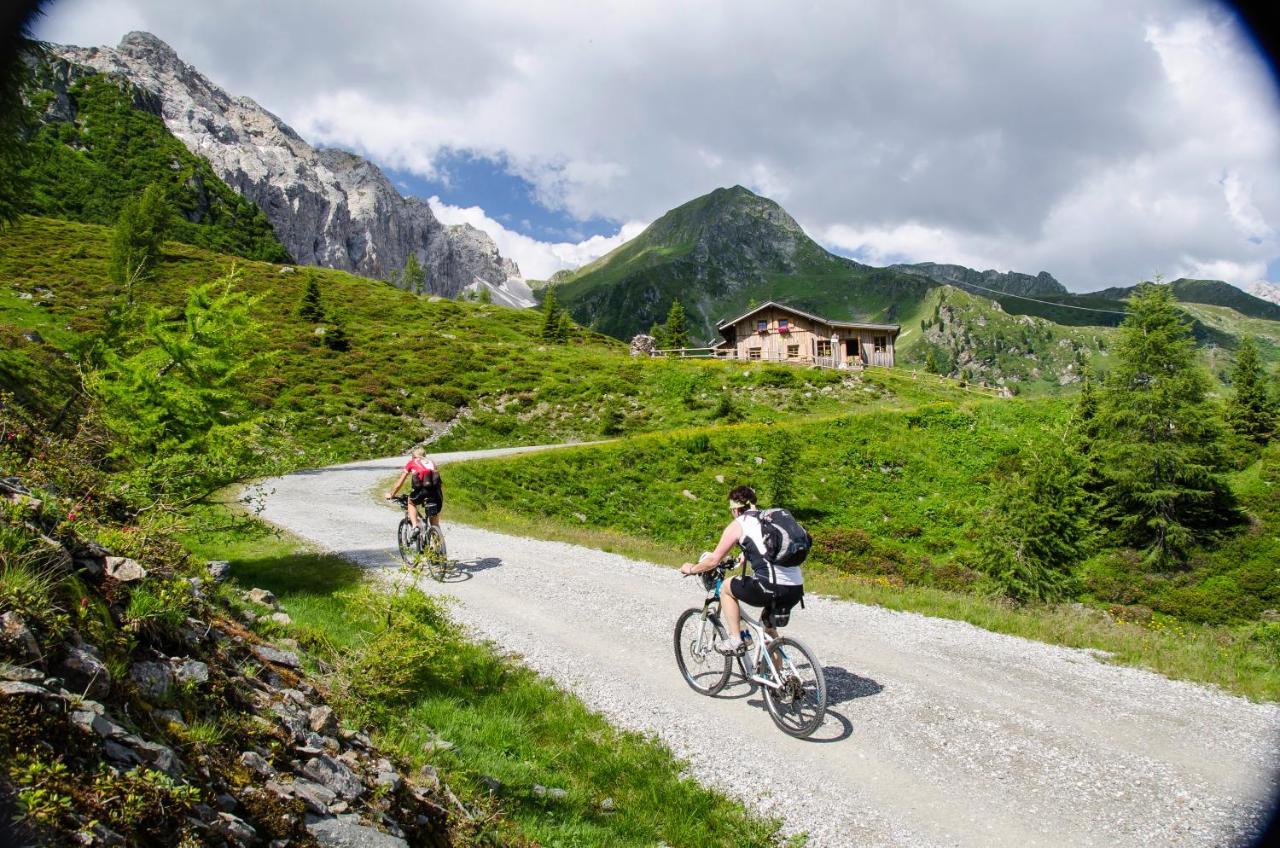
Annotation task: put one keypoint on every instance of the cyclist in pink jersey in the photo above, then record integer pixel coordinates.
(427, 493)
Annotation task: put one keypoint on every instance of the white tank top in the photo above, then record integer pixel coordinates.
(780, 575)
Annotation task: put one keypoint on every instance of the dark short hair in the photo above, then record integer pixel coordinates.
(743, 494)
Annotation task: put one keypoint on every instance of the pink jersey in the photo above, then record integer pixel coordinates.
(421, 469)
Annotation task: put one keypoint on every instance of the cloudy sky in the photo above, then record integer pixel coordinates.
(1104, 142)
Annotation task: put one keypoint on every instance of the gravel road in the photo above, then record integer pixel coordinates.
(939, 733)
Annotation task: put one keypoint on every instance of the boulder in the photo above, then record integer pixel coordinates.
(281, 618)
(10, 688)
(334, 775)
(16, 672)
(190, 671)
(258, 764)
(234, 830)
(17, 639)
(124, 570)
(261, 596)
(219, 570)
(315, 796)
(153, 679)
(644, 345)
(266, 653)
(85, 673)
(322, 721)
(347, 832)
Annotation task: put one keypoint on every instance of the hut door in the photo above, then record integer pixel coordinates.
(850, 349)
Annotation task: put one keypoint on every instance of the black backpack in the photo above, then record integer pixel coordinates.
(786, 542)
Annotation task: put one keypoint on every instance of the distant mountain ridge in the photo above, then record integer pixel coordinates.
(1010, 282)
(328, 207)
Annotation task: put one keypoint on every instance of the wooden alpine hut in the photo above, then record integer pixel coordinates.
(775, 332)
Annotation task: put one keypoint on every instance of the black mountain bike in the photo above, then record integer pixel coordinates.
(421, 548)
(786, 670)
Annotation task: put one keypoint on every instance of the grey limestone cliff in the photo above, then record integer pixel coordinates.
(328, 207)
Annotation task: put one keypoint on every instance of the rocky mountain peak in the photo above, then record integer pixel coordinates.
(328, 207)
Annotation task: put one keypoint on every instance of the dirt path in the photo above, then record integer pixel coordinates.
(939, 733)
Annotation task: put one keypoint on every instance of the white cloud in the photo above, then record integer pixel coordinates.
(1100, 141)
(538, 260)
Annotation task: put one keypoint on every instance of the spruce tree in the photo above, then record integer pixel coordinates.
(137, 239)
(781, 467)
(661, 339)
(1038, 525)
(552, 327)
(564, 328)
(311, 309)
(1158, 452)
(335, 338)
(414, 276)
(677, 333)
(1251, 411)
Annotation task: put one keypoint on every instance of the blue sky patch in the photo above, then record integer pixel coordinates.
(476, 181)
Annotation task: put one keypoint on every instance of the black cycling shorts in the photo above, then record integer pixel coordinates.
(428, 500)
(754, 591)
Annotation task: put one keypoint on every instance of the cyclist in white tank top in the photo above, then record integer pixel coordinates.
(767, 584)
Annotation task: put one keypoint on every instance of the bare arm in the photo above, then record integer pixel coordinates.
(391, 494)
(728, 539)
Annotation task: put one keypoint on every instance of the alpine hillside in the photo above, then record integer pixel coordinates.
(328, 207)
(722, 252)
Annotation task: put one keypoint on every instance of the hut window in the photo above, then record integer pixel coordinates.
(784, 326)
(793, 351)
(882, 343)
(762, 326)
(824, 347)
(753, 353)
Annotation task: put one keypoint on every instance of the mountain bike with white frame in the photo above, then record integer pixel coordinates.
(786, 670)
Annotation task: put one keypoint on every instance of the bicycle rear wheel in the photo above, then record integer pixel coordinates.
(405, 540)
(436, 553)
(704, 668)
(800, 704)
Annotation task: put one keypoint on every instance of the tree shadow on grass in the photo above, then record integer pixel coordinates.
(296, 574)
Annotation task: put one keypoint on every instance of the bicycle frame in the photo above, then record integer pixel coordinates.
(760, 641)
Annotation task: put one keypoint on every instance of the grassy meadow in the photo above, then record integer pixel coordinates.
(897, 501)
(399, 665)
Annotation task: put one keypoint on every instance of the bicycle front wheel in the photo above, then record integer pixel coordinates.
(705, 669)
(799, 703)
(436, 553)
(404, 538)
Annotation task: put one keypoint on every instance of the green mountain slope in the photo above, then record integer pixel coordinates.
(414, 366)
(723, 251)
(98, 142)
(718, 253)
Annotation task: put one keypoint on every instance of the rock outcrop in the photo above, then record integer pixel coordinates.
(328, 207)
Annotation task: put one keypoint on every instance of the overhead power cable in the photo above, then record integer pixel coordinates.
(1045, 302)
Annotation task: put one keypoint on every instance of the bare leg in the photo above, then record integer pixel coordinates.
(729, 612)
(413, 516)
(435, 520)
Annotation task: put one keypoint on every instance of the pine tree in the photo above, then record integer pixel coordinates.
(1158, 449)
(414, 276)
(564, 328)
(174, 400)
(781, 466)
(661, 340)
(311, 309)
(1251, 411)
(677, 333)
(1038, 525)
(552, 327)
(335, 338)
(137, 239)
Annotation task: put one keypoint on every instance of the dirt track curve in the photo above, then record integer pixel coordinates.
(939, 733)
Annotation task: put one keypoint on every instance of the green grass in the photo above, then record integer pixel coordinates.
(414, 365)
(505, 721)
(896, 501)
